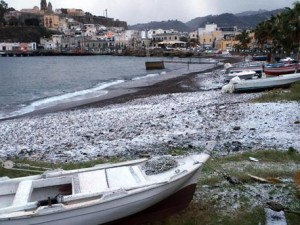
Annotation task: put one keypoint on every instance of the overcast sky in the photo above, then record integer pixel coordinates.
(143, 11)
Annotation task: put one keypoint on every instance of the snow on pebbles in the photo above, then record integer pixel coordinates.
(154, 125)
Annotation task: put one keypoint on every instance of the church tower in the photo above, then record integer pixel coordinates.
(43, 5)
(50, 8)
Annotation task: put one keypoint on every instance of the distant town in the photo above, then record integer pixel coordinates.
(77, 32)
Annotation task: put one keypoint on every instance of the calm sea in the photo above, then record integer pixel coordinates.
(30, 83)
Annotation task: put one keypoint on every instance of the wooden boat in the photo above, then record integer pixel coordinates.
(281, 68)
(103, 194)
(154, 65)
(238, 85)
(244, 75)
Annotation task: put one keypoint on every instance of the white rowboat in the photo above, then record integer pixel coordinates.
(101, 194)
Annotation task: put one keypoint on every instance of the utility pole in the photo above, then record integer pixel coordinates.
(147, 44)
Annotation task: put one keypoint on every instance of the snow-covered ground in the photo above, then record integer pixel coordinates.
(155, 125)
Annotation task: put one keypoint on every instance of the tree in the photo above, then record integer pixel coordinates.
(244, 39)
(282, 31)
(3, 10)
(32, 22)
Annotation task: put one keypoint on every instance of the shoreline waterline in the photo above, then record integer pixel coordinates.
(111, 90)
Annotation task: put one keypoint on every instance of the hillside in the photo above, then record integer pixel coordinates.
(166, 25)
(24, 34)
(244, 20)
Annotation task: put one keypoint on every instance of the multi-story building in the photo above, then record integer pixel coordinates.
(209, 36)
(221, 38)
(51, 21)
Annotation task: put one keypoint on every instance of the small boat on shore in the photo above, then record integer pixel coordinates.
(281, 68)
(244, 66)
(154, 65)
(238, 85)
(244, 75)
(104, 194)
(260, 58)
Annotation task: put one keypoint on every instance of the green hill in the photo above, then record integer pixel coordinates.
(23, 34)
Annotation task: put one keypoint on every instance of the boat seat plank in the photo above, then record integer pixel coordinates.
(93, 181)
(76, 184)
(23, 193)
(126, 176)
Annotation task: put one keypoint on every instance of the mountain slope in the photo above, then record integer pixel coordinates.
(165, 25)
(244, 20)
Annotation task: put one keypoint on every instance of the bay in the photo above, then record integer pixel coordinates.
(29, 83)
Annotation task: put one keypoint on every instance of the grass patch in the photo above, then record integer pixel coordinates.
(206, 210)
(291, 94)
(206, 214)
(178, 151)
(291, 155)
(215, 166)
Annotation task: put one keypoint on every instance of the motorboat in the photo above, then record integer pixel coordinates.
(238, 85)
(244, 75)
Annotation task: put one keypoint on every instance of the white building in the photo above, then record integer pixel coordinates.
(16, 46)
(193, 35)
(209, 28)
(89, 30)
(48, 43)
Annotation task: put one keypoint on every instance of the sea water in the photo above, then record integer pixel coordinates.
(31, 83)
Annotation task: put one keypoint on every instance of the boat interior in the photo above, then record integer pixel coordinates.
(72, 187)
(99, 183)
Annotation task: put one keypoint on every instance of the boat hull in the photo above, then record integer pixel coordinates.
(171, 205)
(266, 83)
(103, 212)
(154, 65)
(245, 75)
(281, 70)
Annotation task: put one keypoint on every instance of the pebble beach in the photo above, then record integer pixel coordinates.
(185, 112)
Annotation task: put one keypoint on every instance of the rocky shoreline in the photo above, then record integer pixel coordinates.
(155, 120)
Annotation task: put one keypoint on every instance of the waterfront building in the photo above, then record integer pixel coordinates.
(9, 46)
(168, 40)
(120, 40)
(219, 38)
(48, 43)
(28, 47)
(16, 46)
(227, 43)
(166, 37)
(209, 36)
